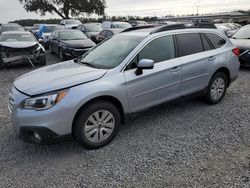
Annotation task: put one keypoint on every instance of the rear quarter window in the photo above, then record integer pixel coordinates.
(216, 40)
(189, 43)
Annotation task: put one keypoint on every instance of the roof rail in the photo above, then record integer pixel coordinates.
(139, 28)
(168, 27)
(204, 25)
(183, 26)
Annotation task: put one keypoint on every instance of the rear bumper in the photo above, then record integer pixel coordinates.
(41, 135)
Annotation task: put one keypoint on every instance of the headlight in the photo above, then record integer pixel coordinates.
(44, 102)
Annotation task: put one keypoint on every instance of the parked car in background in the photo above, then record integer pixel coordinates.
(228, 28)
(28, 28)
(241, 39)
(19, 47)
(107, 34)
(70, 23)
(115, 25)
(90, 97)
(45, 33)
(35, 29)
(91, 30)
(137, 23)
(69, 44)
(10, 27)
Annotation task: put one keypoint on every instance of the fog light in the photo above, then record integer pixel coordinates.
(37, 136)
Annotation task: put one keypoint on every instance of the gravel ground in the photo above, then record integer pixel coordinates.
(187, 144)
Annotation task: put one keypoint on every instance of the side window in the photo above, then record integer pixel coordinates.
(189, 43)
(103, 33)
(206, 45)
(109, 34)
(216, 40)
(113, 26)
(161, 49)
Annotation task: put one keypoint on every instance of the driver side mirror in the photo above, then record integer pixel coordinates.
(144, 64)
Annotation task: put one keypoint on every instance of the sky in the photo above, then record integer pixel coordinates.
(12, 10)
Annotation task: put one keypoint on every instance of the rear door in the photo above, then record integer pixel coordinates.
(160, 84)
(196, 60)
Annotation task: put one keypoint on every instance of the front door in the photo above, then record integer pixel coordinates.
(158, 85)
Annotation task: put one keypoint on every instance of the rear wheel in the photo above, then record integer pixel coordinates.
(97, 124)
(42, 60)
(50, 49)
(217, 88)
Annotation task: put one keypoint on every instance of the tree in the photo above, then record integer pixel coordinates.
(65, 8)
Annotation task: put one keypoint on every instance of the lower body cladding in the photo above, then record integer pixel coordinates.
(42, 127)
(245, 58)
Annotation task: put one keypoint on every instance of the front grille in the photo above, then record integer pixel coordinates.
(11, 102)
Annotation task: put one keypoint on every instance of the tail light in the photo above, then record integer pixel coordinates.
(236, 51)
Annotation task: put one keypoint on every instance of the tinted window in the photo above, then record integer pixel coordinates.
(109, 34)
(103, 33)
(189, 43)
(216, 40)
(160, 49)
(206, 44)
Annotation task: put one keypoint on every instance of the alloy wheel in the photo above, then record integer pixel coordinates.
(99, 126)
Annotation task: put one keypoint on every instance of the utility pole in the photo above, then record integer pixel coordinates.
(198, 7)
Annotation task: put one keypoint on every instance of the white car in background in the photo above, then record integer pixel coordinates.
(70, 23)
(115, 25)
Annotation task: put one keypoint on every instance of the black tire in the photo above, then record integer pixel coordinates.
(42, 60)
(50, 50)
(82, 119)
(221, 93)
(61, 55)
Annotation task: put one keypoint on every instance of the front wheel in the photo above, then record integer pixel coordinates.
(217, 88)
(97, 124)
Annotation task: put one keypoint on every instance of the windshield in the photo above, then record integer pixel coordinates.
(71, 35)
(93, 28)
(17, 38)
(112, 52)
(242, 33)
(123, 25)
(50, 29)
(69, 22)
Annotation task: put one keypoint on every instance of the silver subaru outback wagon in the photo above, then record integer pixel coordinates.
(90, 97)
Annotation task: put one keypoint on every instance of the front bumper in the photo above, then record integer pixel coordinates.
(51, 125)
(75, 52)
(41, 135)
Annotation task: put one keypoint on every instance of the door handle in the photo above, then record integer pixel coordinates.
(175, 69)
(212, 58)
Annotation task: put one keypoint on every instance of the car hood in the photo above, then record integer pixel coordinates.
(56, 77)
(241, 43)
(86, 43)
(70, 26)
(92, 33)
(18, 44)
